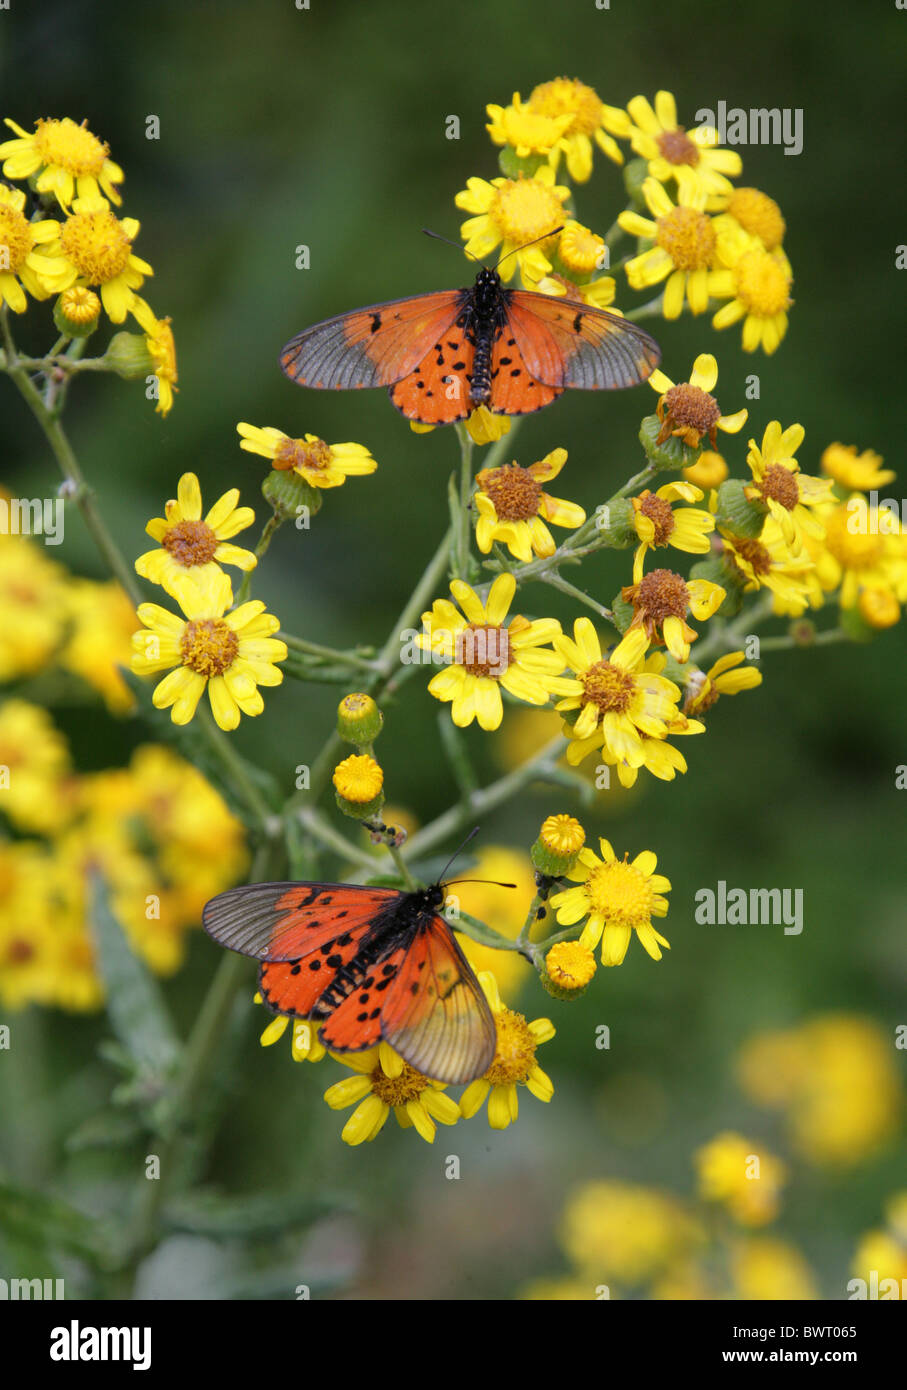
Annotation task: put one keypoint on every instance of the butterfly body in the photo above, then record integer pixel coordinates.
(369, 963)
(441, 355)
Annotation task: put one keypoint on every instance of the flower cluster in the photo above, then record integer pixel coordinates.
(87, 259)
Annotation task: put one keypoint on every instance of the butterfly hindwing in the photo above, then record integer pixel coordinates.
(436, 1014)
(514, 389)
(355, 1021)
(369, 347)
(565, 343)
(436, 391)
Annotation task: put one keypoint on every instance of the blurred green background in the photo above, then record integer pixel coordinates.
(326, 127)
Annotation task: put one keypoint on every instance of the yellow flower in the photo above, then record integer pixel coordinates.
(513, 508)
(757, 214)
(659, 756)
(383, 1082)
(510, 213)
(34, 603)
(590, 120)
(305, 1042)
(599, 293)
(756, 284)
(862, 549)
(879, 607)
(68, 156)
(765, 1268)
(40, 271)
(34, 761)
(580, 250)
(771, 562)
(657, 524)
(684, 253)
(162, 349)
(709, 470)
(28, 918)
(102, 621)
(617, 699)
(723, 678)
(527, 132)
(569, 967)
(835, 1079)
(660, 602)
(689, 411)
(230, 653)
(505, 907)
(855, 472)
(690, 157)
(618, 1230)
(321, 465)
(778, 482)
(514, 1063)
(358, 778)
(97, 247)
(742, 1176)
(483, 656)
(191, 549)
(616, 897)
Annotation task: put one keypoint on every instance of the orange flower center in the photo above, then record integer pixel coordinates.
(209, 646)
(691, 413)
(780, 484)
(677, 147)
(19, 951)
(755, 554)
(483, 651)
(514, 492)
(662, 594)
(397, 1090)
(660, 514)
(191, 543)
(301, 454)
(608, 687)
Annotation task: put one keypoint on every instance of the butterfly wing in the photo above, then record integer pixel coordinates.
(565, 343)
(436, 1014)
(376, 346)
(436, 391)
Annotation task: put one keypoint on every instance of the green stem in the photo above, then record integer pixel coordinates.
(650, 310)
(273, 524)
(301, 644)
(74, 484)
(264, 819)
(461, 515)
(557, 581)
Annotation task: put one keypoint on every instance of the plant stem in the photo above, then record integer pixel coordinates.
(461, 516)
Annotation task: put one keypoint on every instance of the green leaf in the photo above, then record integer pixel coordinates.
(135, 1005)
(107, 1129)
(34, 1218)
(208, 1213)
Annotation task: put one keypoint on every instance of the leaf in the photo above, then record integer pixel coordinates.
(135, 1005)
(106, 1129)
(207, 1213)
(32, 1217)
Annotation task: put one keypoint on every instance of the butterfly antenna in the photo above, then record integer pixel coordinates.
(554, 231)
(455, 244)
(457, 852)
(493, 881)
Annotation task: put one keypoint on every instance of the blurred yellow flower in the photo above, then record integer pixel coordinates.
(34, 763)
(502, 908)
(763, 1267)
(624, 1231)
(855, 472)
(741, 1175)
(102, 621)
(162, 349)
(33, 600)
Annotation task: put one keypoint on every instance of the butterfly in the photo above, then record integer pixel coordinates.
(372, 963)
(441, 355)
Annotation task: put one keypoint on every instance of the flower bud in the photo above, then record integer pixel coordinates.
(359, 720)
(129, 357)
(77, 311)
(288, 494)
(560, 840)
(614, 523)
(672, 453)
(734, 510)
(569, 967)
(358, 783)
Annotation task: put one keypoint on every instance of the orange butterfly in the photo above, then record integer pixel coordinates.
(444, 354)
(373, 963)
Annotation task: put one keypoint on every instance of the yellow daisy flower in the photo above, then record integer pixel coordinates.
(661, 600)
(862, 549)
(690, 157)
(527, 132)
(624, 1231)
(709, 470)
(690, 412)
(383, 1082)
(618, 701)
(101, 624)
(855, 472)
(160, 344)
(229, 653)
(742, 1176)
(321, 465)
(657, 523)
(725, 677)
(514, 1063)
(65, 157)
(771, 562)
(33, 598)
(34, 763)
(509, 213)
(484, 656)
(684, 253)
(513, 508)
(755, 213)
(591, 120)
(756, 284)
(191, 549)
(29, 917)
(579, 250)
(97, 247)
(599, 293)
(616, 898)
(778, 482)
(41, 272)
(659, 756)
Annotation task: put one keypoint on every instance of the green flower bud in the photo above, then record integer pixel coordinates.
(635, 174)
(671, 453)
(614, 523)
(359, 720)
(741, 516)
(77, 312)
(560, 840)
(129, 357)
(288, 494)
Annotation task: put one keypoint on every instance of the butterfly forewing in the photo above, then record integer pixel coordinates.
(569, 344)
(285, 921)
(369, 347)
